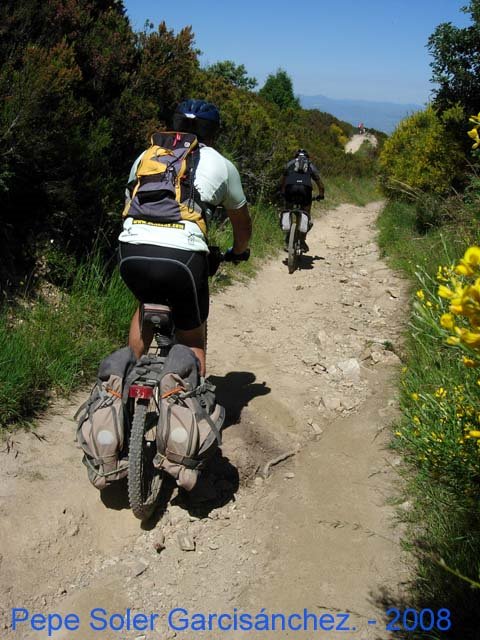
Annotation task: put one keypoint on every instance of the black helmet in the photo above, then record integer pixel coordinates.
(302, 152)
(198, 117)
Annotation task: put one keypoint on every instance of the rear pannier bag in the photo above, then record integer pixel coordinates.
(285, 222)
(188, 432)
(101, 422)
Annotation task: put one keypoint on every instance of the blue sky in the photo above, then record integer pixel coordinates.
(359, 49)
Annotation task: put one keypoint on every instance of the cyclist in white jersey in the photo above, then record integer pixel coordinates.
(162, 263)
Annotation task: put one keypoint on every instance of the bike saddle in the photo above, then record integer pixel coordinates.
(157, 315)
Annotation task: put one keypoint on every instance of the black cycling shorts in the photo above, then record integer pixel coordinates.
(298, 194)
(162, 275)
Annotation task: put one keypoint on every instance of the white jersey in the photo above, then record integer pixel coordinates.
(218, 183)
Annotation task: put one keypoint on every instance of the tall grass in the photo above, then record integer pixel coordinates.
(50, 347)
(341, 189)
(439, 399)
(408, 248)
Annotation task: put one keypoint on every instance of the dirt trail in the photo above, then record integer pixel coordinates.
(356, 141)
(300, 362)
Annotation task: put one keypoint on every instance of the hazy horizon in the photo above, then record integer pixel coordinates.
(374, 52)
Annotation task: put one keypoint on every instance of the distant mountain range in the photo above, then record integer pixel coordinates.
(383, 116)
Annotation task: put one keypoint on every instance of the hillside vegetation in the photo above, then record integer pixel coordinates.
(81, 92)
(430, 169)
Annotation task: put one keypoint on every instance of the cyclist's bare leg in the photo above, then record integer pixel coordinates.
(138, 341)
(196, 340)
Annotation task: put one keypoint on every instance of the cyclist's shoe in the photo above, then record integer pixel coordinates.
(304, 246)
(230, 256)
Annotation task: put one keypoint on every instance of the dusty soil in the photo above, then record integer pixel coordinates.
(301, 365)
(356, 141)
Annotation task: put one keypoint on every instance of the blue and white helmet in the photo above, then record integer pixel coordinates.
(197, 116)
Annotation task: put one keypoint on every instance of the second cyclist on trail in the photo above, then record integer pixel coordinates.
(296, 186)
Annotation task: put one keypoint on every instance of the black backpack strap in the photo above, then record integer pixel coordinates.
(189, 191)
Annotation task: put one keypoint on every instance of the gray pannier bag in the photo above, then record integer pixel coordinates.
(304, 223)
(188, 430)
(101, 421)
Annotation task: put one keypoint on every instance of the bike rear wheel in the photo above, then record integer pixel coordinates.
(144, 480)
(292, 248)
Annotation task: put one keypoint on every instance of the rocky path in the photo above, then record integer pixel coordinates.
(356, 141)
(304, 364)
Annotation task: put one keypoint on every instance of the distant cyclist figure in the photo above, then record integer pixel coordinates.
(296, 185)
(163, 245)
(361, 128)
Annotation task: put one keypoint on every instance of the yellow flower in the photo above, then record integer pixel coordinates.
(463, 270)
(416, 420)
(470, 337)
(473, 133)
(445, 292)
(443, 273)
(474, 434)
(475, 119)
(470, 261)
(457, 309)
(414, 396)
(440, 393)
(420, 295)
(453, 341)
(447, 321)
(469, 362)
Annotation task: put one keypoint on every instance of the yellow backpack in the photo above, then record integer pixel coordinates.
(164, 193)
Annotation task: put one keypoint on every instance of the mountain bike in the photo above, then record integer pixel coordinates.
(297, 225)
(143, 405)
(295, 237)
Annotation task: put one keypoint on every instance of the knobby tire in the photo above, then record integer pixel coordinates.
(144, 481)
(292, 248)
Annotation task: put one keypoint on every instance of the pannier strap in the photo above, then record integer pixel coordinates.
(83, 406)
(191, 463)
(172, 392)
(113, 393)
(211, 424)
(90, 463)
(199, 390)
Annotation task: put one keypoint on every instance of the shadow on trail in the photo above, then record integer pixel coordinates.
(234, 392)
(306, 262)
(115, 496)
(460, 610)
(216, 486)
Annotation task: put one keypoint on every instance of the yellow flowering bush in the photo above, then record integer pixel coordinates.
(462, 294)
(474, 133)
(422, 154)
(442, 409)
(441, 390)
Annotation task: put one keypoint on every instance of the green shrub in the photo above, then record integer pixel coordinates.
(422, 154)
